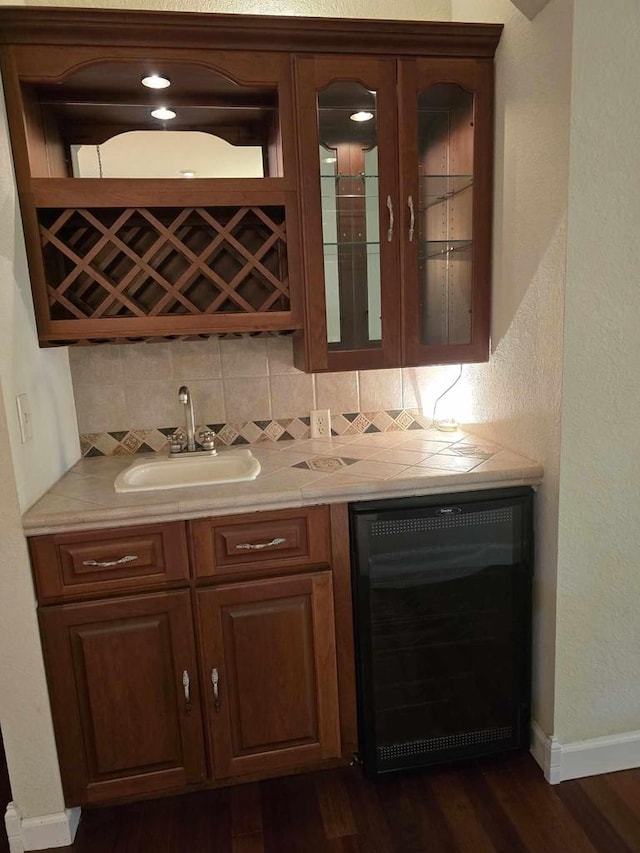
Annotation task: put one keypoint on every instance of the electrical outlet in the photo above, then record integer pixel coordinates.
(321, 423)
(24, 418)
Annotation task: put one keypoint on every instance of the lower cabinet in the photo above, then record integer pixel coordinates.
(124, 695)
(269, 660)
(232, 677)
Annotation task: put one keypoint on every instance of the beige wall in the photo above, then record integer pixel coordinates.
(26, 471)
(412, 10)
(516, 396)
(24, 703)
(24, 368)
(598, 642)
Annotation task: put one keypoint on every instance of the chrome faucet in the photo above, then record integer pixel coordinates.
(205, 441)
(185, 397)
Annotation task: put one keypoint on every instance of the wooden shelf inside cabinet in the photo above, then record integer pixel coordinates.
(122, 258)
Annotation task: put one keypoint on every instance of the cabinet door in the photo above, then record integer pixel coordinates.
(348, 145)
(268, 650)
(446, 121)
(124, 695)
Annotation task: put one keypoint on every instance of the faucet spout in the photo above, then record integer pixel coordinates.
(185, 397)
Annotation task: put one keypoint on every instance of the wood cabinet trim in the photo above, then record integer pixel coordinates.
(253, 32)
(345, 648)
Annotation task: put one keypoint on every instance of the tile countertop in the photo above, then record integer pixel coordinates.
(294, 473)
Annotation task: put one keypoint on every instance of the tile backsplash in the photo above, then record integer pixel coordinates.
(133, 389)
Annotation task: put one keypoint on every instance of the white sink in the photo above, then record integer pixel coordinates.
(228, 466)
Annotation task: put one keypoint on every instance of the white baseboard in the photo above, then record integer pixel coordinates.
(548, 753)
(591, 757)
(40, 833)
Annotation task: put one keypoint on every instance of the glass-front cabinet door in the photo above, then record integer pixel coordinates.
(446, 185)
(348, 140)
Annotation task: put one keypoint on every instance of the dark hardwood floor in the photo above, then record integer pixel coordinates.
(495, 806)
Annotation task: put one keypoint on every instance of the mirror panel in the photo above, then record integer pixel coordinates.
(166, 154)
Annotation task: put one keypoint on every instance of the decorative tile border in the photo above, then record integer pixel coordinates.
(251, 432)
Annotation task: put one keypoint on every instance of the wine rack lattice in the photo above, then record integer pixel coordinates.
(146, 262)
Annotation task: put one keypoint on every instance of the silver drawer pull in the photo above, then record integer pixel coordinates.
(247, 546)
(105, 564)
(215, 680)
(186, 683)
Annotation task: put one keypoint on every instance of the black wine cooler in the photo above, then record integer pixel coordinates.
(442, 607)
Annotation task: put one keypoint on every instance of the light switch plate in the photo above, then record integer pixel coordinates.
(24, 418)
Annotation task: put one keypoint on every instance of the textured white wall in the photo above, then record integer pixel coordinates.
(24, 368)
(411, 10)
(24, 703)
(598, 638)
(516, 396)
(26, 471)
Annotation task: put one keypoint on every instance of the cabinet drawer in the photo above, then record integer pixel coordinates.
(277, 541)
(69, 565)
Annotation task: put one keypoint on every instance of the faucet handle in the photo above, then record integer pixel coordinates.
(206, 438)
(177, 441)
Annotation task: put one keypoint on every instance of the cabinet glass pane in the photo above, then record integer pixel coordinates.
(348, 160)
(445, 147)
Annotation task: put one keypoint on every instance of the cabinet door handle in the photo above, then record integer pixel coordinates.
(105, 564)
(412, 218)
(248, 546)
(391, 219)
(215, 680)
(186, 684)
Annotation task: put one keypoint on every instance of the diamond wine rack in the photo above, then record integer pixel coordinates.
(149, 262)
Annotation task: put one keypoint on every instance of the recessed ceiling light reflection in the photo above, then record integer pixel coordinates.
(363, 115)
(163, 114)
(155, 81)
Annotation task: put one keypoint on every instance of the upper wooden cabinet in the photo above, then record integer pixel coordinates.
(153, 212)
(254, 201)
(396, 185)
